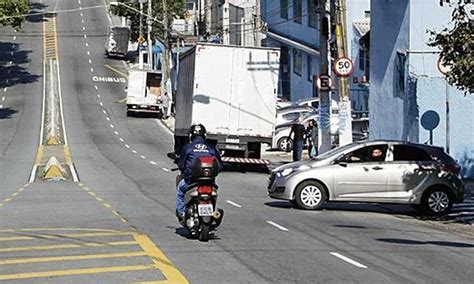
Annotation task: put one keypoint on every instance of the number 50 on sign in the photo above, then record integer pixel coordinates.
(343, 66)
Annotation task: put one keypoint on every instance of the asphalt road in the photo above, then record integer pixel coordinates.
(117, 224)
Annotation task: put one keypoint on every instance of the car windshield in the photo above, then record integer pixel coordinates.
(335, 152)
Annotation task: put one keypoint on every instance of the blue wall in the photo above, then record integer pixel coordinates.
(399, 27)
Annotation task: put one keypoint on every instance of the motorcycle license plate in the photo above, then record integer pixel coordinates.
(205, 209)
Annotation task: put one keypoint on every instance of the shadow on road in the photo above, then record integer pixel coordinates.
(415, 242)
(35, 9)
(14, 74)
(6, 113)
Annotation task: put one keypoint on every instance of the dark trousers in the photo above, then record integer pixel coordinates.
(297, 150)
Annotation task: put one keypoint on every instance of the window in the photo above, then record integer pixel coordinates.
(364, 61)
(309, 67)
(297, 62)
(374, 153)
(284, 9)
(291, 116)
(409, 153)
(313, 16)
(297, 11)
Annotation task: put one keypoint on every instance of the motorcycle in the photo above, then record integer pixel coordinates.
(201, 215)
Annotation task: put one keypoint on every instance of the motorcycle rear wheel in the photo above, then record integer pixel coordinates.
(204, 232)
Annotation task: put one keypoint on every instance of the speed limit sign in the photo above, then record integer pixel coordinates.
(343, 66)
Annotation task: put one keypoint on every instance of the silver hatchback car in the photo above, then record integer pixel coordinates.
(381, 171)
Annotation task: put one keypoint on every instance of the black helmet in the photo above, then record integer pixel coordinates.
(197, 130)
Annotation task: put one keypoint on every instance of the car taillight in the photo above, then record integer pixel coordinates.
(452, 168)
(204, 189)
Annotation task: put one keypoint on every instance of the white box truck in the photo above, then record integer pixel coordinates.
(117, 42)
(144, 92)
(232, 91)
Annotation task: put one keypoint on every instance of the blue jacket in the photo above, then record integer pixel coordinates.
(193, 150)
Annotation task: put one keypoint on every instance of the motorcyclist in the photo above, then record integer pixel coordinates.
(197, 147)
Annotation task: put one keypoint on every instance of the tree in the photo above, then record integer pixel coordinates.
(176, 9)
(12, 12)
(457, 48)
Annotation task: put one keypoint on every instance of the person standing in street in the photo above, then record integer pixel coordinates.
(312, 136)
(298, 130)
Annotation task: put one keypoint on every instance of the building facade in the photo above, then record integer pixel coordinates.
(408, 94)
(293, 26)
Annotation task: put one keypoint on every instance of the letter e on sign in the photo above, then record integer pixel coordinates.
(324, 82)
(343, 67)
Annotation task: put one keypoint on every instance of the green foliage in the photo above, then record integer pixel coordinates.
(11, 11)
(176, 9)
(457, 49)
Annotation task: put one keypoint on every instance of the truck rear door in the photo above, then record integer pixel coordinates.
(136, 87)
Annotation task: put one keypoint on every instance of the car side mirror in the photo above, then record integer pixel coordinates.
(342, 164)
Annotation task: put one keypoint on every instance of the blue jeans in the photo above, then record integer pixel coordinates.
(297, 150)
(180, 191)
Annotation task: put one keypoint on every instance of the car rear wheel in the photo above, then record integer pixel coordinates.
(437, 201)
(310, 195)
(285, 144)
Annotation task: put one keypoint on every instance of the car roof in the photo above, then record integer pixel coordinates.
(401, 142)
(295, 109)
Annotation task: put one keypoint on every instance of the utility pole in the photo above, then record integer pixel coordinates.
(150, 44)
(345, 116)
(324, 95)
(140, 56)
(258, 25)
(208, 15)
(225, 22)
(166, 62)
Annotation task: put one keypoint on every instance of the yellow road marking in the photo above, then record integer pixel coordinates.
(107, 205)
(66, 246)
(117, 71)
(71, 257)
(95, 270)
(21, 189)
(39, 155)
(67, 155)
(15, 194)
(91, 193)
(99, 199)
(102, 234)
(167, 268)
(122, 100)
(7, 199)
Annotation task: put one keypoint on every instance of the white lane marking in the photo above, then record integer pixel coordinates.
(278, 226)
(112, 126)
(1, 106)
(115, 132)
(92, 70)
(98, 96)
(3, 99)
(121, 139)
(83, 28)
(95, 87)
(82, 21)
(10, 63)
(108, 118)
(87, 44)
(12, 53)
(14, 38)
(233, 203)
(153, 163)
(346, 259)
(101, 104)
(134, 151)
(90, 61)
(6, 88)
(127, 146)
(79, 1)
(165, 169)
(104, 111)
(143, 157)
(82, 15)
(88, 52)
(85, 36)
(80, 8)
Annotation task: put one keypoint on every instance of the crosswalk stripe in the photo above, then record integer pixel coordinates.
(95, 270)
(66, 246)
(102, 234)
(71, 257)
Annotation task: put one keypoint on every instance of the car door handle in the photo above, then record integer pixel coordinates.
(377, 168)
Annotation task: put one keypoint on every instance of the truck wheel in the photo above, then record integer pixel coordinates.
(284, 144)
(254, 149)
